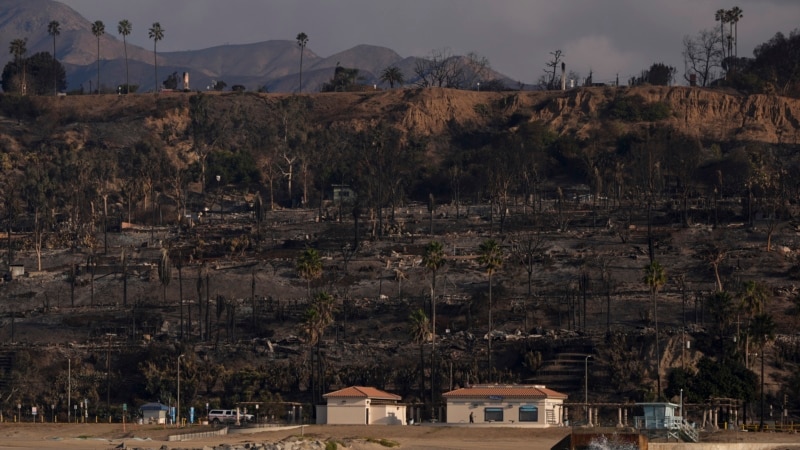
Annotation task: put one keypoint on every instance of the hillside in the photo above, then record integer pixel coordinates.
(135, 165)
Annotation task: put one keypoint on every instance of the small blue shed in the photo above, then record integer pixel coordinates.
(154, 413)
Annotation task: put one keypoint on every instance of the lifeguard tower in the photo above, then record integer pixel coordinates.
(660, 419)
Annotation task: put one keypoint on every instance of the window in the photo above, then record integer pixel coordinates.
(493, 414)
(528, 413)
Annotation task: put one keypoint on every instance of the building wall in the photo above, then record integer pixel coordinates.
(347, 411)
(458, 410)
(322, 414)
(387, 414)
(159, 417)
(353, 411)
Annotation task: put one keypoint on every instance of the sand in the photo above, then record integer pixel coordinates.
(426, 437)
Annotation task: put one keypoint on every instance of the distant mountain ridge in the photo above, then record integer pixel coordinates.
(273, 64)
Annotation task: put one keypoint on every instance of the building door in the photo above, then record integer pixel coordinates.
(367, 422)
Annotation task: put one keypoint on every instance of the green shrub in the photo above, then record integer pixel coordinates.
(635, 109)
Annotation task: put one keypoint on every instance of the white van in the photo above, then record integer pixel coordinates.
(217, 416)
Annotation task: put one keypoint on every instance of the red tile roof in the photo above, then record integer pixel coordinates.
(505, 391)
(362, 392)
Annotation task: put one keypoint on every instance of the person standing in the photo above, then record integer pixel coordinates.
(471, 417)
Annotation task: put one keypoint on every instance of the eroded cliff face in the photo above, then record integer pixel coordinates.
(120, 121)
(703, 113)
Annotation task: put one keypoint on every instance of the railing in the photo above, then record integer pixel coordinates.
(789, 427)
(669, 423)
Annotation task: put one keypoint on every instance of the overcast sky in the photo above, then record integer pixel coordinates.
(609, 37)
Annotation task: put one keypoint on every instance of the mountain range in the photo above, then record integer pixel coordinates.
(273, 65)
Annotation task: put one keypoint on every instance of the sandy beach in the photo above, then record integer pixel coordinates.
(106, 436)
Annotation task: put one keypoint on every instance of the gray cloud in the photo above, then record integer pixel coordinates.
(609, 37)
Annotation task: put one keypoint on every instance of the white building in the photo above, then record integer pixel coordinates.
(359, 405)
(530, 405)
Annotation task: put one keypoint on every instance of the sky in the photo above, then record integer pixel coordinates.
(610, 38)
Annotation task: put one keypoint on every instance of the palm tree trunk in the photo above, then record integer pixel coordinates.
(127, 78)
(155, 65)
(98, 64)
(489, 341)
(180, 292)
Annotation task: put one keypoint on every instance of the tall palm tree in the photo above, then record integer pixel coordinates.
(124, 28)
(54, 29)
(392, 75)
(420, 332)
(655, 277)
(721, 16)
(752, 299)
(156, 33)
(762, 328)
(164, 272)
(309, 266)
(98, 29)
(491, 258)
(433, 260)
(736, 14)
(302, 41)
(317, 318)
(18, 48)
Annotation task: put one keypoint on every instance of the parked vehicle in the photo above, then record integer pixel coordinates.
(218, 416)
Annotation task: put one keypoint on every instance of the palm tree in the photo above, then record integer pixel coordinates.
(18, 48)
(433, 260)
(54, 29)
(98, 29)
(309, 266)
(420, 332)
(317, 318)
(302, 41)
(491, 258)
(762, 328)
(735, 14)
(721, 16)
(655, 277)
(156, 33)
(392, 75)
(752, 299)
(124, 28)
(164, 272)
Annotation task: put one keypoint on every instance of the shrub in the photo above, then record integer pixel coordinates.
(635, 109)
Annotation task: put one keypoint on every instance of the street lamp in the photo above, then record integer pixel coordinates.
(256, 412)
(586, 387)
(178, 410)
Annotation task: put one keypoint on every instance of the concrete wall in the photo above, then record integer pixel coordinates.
(387, 414)
(347, 411)
(353, 411)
